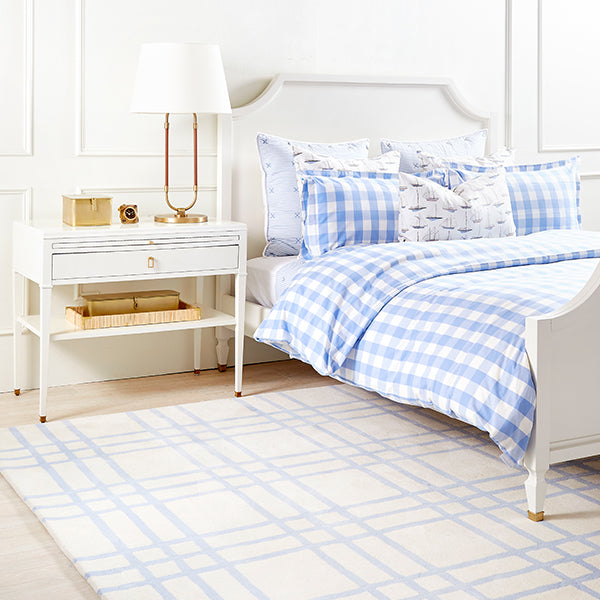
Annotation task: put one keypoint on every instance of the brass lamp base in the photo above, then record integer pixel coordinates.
(175, 218)
(180, 215)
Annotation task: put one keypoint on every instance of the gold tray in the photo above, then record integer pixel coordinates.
(79, 316)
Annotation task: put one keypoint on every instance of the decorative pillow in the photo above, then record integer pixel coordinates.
(343, 211)
(472, 210)
(466, 145)
(307, 161)
(283, 214)
(501, 158)
(543, 196)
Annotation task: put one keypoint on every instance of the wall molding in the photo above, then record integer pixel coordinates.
(508, 63)
(26, 194)
(145, 190)
(27, 136)
(81, 149)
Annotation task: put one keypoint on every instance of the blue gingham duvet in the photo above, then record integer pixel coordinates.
(437, 324)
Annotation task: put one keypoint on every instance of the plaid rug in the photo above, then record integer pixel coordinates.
(318, 493)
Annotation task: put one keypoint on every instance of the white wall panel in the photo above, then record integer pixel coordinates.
(353, 37)
(553, 77)
(14, 206)
(16, 75)
(106, 70)
(590, 206)
(569, 80)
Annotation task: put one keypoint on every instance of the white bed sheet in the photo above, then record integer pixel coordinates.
(269, 276)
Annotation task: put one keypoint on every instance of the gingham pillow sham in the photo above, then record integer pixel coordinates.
(344, 211)
(283, 214)
(543, 195)
(471, 145)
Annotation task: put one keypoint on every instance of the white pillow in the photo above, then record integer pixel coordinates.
(466, 145)
(305, 160)
(503, 157)
(283, 214)
(478, 208)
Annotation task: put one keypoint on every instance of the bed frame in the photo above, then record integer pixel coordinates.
(563, 347)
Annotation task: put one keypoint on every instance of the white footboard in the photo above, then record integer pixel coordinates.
(564, 352)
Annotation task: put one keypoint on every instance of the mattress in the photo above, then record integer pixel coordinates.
(269, 276)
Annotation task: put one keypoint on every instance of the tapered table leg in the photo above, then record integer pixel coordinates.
(18, 292)
(240, 302)
(45, 305)
(197, 332)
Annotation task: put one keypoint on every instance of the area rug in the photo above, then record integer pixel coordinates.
(319, 493)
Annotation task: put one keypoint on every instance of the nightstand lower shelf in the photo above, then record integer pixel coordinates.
(61, 329)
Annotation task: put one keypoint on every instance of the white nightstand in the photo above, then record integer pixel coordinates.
(53, 255)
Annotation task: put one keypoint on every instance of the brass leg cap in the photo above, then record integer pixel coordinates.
(42, 419)
(539, 516)
(18, 392)
(238, 394)
(221, 368)
(196, 371)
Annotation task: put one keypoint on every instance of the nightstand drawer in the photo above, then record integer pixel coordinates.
(94, 265)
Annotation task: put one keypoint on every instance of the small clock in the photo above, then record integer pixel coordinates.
(128, 213)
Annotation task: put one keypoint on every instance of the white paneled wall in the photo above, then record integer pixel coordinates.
(16, 75)
(554, 84)
(568, 88)
(67, 70)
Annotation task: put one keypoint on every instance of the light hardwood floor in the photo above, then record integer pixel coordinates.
(31, 565)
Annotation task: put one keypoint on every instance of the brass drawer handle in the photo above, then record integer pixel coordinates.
(151, 262)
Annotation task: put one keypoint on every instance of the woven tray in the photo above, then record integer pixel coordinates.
(78, 315)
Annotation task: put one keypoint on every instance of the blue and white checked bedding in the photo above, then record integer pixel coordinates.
(438, 324)
(543, 196)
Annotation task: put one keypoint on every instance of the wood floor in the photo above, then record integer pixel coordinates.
(31, 565)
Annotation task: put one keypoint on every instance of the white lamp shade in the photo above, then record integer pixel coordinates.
(180, 78)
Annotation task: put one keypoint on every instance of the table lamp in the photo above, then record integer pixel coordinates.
(180, 78)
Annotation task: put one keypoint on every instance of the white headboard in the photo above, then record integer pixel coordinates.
(331, 109)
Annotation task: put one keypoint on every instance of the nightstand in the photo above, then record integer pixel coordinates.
(51, 255)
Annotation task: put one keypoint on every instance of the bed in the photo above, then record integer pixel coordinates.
(554, 352)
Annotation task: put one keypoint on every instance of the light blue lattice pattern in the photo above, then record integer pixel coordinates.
(438, 324)
(316, 494)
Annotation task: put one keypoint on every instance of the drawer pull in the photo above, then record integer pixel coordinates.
(151, 262)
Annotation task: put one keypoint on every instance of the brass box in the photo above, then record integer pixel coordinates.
(87, 210)
(131, 302)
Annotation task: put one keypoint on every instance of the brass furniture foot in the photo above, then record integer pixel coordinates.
(18, 392)
(539, 516)
(196, 371)
(42, 419)
(238, 394)
(221, 368)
